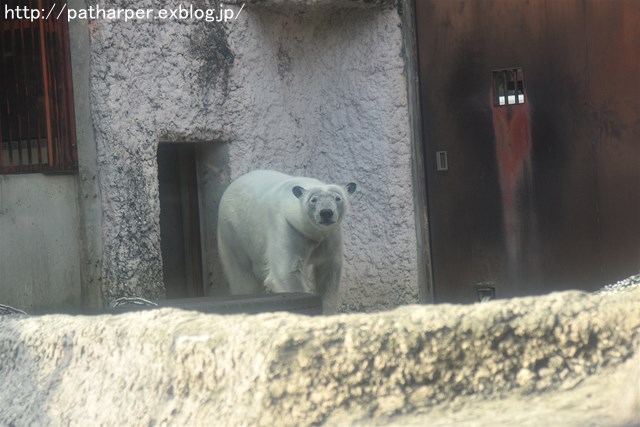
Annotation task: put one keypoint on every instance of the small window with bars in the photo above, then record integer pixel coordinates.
(37, 126)
(508, 86)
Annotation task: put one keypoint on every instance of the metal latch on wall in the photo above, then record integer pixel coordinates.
(442, 161)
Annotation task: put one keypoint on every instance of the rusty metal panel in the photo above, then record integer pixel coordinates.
(539, 195)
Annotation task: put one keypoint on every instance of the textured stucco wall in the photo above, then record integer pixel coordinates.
(319, 92)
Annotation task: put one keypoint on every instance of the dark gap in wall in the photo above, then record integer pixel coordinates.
(180, 220)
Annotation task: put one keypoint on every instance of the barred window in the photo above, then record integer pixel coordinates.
(37, 126)
(508, 86)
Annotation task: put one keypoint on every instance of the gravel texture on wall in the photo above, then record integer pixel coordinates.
(184, 368)
(621, 285)
(320, 92)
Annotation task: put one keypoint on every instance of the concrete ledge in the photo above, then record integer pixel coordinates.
(298, 303)
(185, 368)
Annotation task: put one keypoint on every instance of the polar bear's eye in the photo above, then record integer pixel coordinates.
(314, 199)
(338, 199)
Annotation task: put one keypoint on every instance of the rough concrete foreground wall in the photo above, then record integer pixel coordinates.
(184, 368)
(320, 92)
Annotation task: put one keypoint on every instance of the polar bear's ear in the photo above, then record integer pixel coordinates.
(351, 187)
(298, 191)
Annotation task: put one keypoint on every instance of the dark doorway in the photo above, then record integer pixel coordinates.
(530, 123)
(180, 220)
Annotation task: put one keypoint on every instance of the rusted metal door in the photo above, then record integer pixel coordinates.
(531, 119)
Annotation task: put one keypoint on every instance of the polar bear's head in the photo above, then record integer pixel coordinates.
(325, 205)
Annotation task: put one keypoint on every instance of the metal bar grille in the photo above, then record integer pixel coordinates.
(508, 87)
(37, 125)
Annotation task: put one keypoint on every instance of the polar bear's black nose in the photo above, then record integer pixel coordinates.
(326, 214)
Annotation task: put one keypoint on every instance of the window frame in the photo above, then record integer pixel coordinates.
(517, 79)
(37, 127)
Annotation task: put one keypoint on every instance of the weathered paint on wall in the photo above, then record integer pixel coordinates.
(320, 93)
(40, 250)
(512, 128)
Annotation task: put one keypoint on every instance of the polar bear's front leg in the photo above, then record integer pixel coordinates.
(285, 269)
(327, 278)
(285, 282)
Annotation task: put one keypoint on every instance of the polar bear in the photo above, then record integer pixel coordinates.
(274, 228)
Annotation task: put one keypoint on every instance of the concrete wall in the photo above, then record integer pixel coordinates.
(39, 242)
(50, 225)
(182, 368)
(89, 200)
(303, 87)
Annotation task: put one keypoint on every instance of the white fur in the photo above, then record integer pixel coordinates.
(270, 231)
